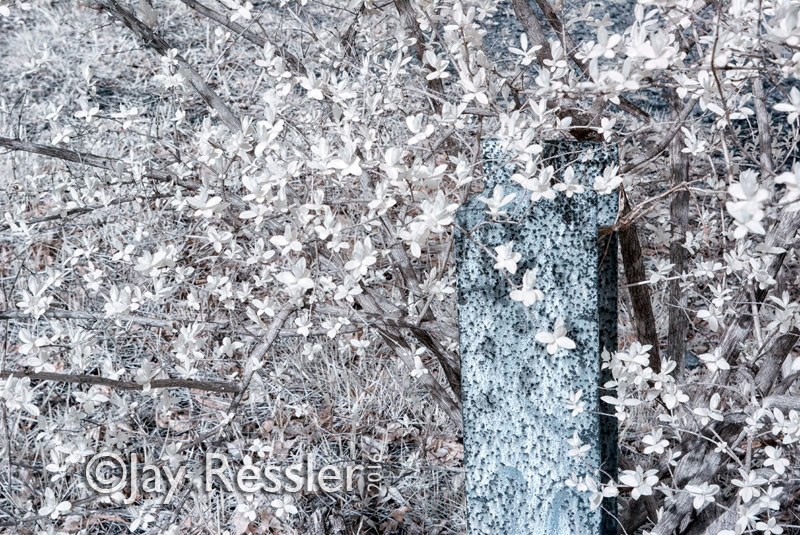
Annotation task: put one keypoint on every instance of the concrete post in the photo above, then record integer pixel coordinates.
(516, 427)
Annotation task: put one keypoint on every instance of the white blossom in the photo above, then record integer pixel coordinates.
(568, 184)
(527, 294)
(792, 107)
(284, 506)
(497, 201)
(506, 258)
(641, 482)
(363, 257)
(703, 494)
(557, 339)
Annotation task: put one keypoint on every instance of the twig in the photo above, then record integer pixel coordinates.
(88, 316)
(211, 386)
(754, 312)
(522, 9)
(261, 349)
(703, 461)
(158, 44)
(91, 208)
(400, 322)
(630, 216)
(665, 141)
(85, 158)
(780, 235)
(93, 160)
(762, 120)
(406, 11)
(397, 343)
(254, 38)
(449, 363)
(715, 72)
(214, 386)
(774, 353)
(570, 47)
(258, 353)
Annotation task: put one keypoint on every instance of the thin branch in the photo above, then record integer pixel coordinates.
(86, 158)
(254, 38)
(91, 208)
(102, 162)
(703, 460)
(257, 354)
(449, 363)
(665, 141)
(631, 215)
(530, 22)
(157, 43)
(398, 322)
(774, 353)
(211, 386)
(406, 11)
(782, 234)
(261, 349)
(88, 316)
(762, 120)
(398, 344)
(570, 47)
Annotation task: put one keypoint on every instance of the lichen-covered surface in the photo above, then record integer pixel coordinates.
(515, 425)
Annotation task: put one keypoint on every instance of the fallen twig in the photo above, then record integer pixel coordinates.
(211, 386)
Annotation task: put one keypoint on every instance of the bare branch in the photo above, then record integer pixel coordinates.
(782, 234)
(158, 44)
(254, 38)
(783, 402)
(570, 47)
(773, 354)
(762, 120)
(88, 209)
(699, 464)
(397, 343)
(398, 322)
(580, 129)
(102, 162)
(703, 460)
(211, 386)
(85, 158)
(665, 141)
(409, 17)
(450, 363)
(261, 349)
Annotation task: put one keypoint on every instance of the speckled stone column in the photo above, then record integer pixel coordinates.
(515, 424)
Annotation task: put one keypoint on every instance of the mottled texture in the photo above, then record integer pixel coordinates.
(515, 424)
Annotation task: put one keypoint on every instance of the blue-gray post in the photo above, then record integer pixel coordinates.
(516, 426)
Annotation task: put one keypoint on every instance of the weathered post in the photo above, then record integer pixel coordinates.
(516, 427)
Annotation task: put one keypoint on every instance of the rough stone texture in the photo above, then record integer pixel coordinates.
(515, 424)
